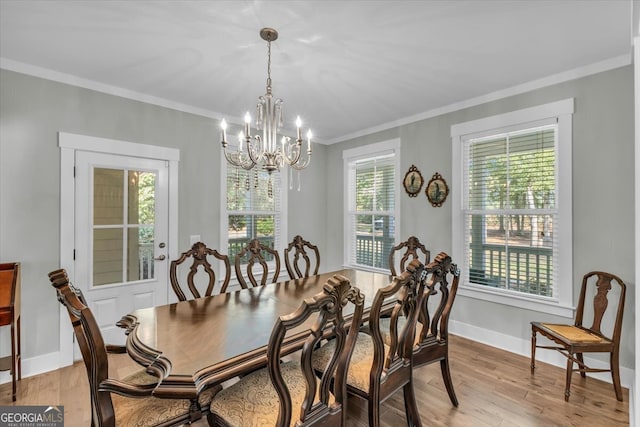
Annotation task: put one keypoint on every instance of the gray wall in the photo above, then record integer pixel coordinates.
(603, 191)
(34, 110)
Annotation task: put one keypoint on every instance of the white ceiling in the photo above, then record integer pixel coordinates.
(347, 67)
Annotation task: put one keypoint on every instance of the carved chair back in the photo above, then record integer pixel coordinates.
(256, 254)
(602, 287)
(91, 345)
(413, 249)
(301, 253)
(433, 327)
(199, 255)
(94, 355)
(378, 368)
(302, 398)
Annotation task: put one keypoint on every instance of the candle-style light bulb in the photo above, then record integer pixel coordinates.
(223, 126)
(299, 125)
(247, 122)
(309, 140)
(240, 139)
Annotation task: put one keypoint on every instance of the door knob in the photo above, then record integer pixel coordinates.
(160, 258)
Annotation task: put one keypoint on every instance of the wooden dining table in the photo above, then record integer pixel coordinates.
(196, 344)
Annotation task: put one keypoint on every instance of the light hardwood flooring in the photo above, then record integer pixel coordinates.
(494, 388)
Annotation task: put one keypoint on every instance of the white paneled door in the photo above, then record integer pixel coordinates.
(121, 235)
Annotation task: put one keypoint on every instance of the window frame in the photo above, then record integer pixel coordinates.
(349, 156)
(280, 237)
(561, 303)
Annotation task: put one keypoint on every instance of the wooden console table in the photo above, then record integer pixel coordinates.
(10, 315)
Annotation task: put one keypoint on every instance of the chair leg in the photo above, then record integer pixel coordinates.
(583, 374)
(410, 406)
(448, 383)
(568, 383)
(533, 350)
(373, 408)
(615, 374)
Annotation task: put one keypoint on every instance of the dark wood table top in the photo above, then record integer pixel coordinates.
(199, 343)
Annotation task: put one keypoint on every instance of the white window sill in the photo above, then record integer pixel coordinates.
(516, 299)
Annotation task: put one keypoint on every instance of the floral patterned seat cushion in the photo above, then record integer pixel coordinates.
(150, 411)
(253, 401)
(385, 324)
(360, 364)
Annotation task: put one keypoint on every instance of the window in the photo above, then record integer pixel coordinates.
(254, 206)
(371, 201)
(512, 223)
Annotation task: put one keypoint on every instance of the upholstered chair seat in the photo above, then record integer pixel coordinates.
(385, 328)
(254, 401)
(359, 372)
(152, 411)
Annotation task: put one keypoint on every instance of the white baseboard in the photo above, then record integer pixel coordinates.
(523, 347)
(34, 366)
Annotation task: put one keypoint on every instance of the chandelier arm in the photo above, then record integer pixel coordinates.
(255, 159)
(296, 153)
(297, 166)
(238, 162)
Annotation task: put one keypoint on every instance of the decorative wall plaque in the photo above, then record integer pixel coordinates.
(413, 181)
(437, 190)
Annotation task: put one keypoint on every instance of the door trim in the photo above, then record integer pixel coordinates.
(70, 143)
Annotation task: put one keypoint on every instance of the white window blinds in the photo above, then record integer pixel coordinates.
(254, 208)
(371, 211)
(509, 210)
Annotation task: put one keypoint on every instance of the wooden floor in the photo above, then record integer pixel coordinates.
(494, 388)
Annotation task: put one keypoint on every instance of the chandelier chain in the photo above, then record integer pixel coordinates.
(269, 66)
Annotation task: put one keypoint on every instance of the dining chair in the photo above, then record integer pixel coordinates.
(301, 253)
(432, 342)
(413, 249)
(199, 254)
(128, 401)
(572, 341)
(288, 393)
(10, 316)
(378, 370)
(253, 254)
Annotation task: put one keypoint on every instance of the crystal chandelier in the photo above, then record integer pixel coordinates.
(265, 150)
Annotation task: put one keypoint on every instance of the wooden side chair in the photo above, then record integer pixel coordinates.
(120, 402)
(432, 342)
(432, 332)
(572, 341)
(254, 254)
(413, 249)
(288, 393)
(301, 253)
(378, 370)
(198, 254)
(10, 316)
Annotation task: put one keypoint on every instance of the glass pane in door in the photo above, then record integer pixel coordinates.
(141, 219)
(108, 197)
(107, 256)
(123, 211)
